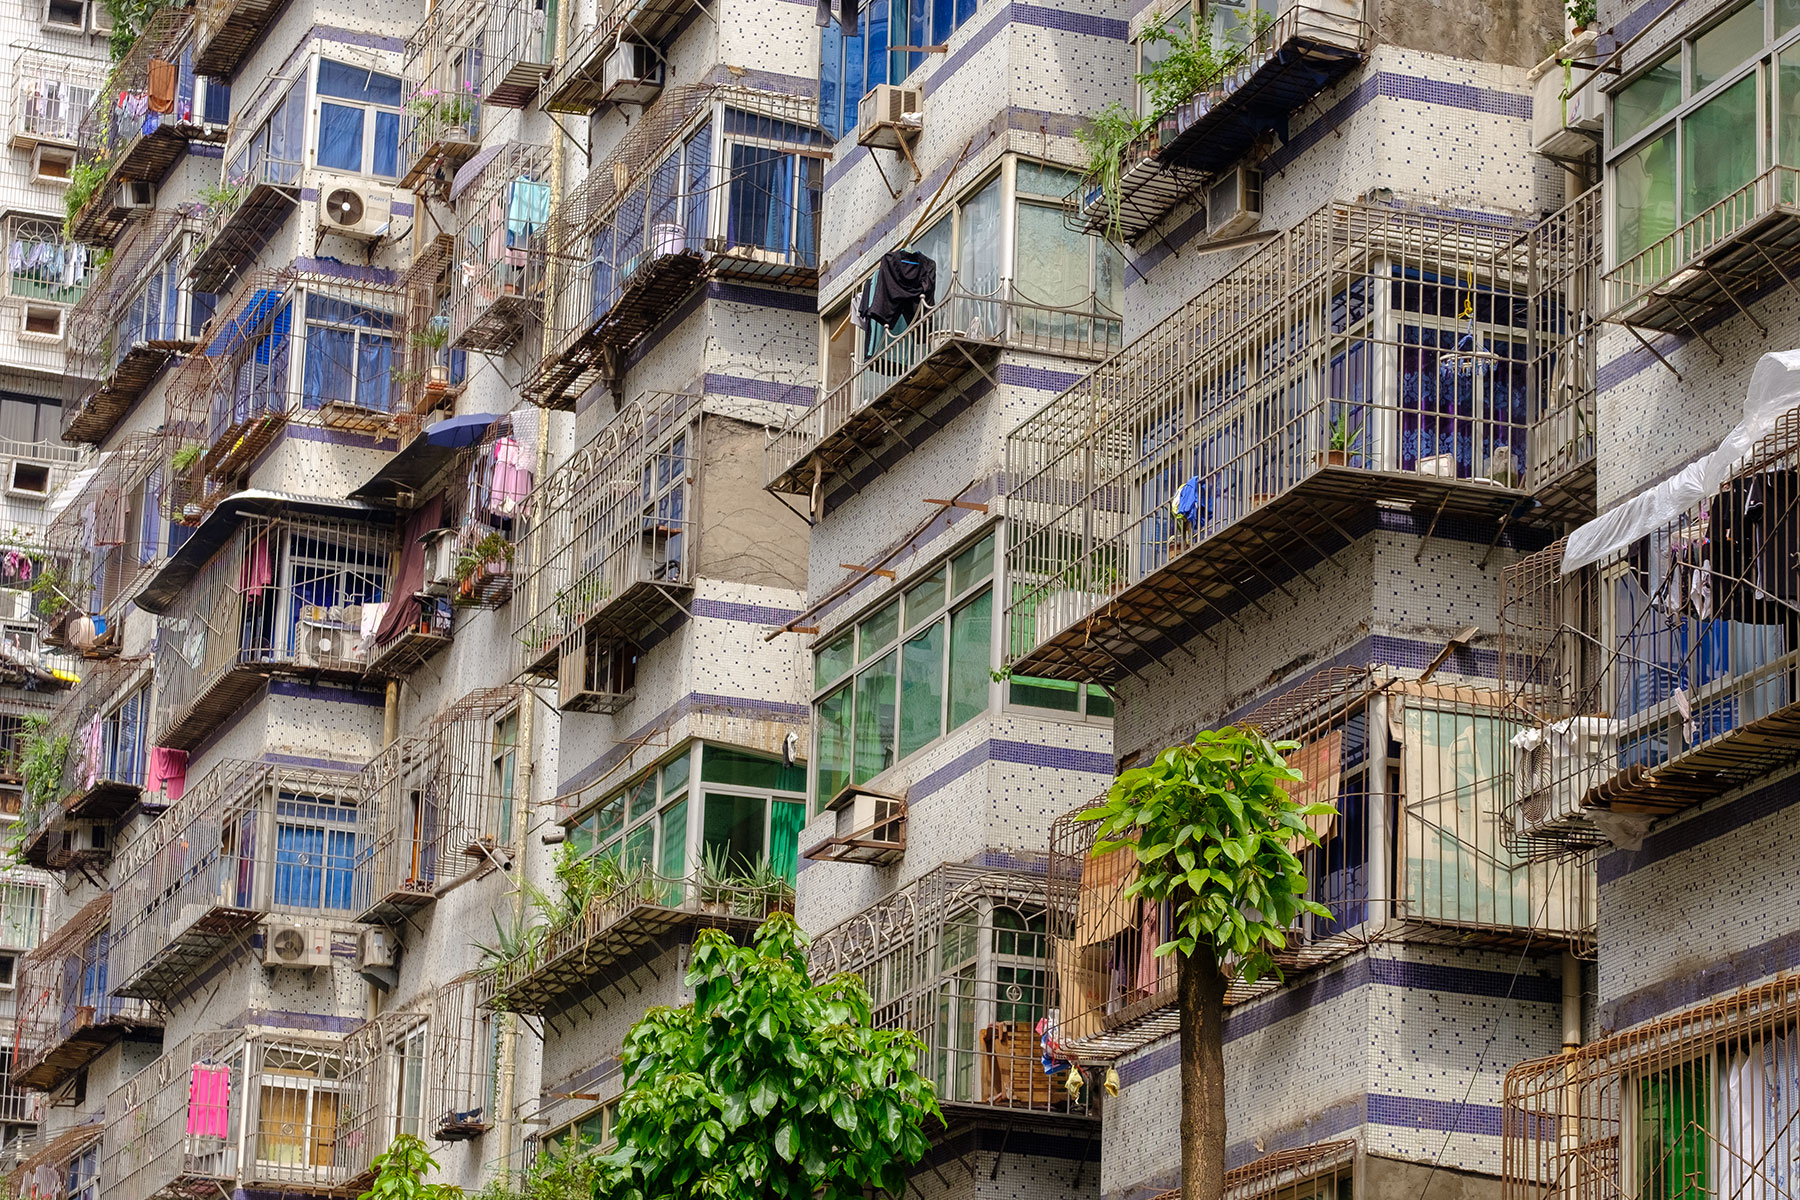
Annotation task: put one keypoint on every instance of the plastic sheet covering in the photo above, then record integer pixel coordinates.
(1774, 390)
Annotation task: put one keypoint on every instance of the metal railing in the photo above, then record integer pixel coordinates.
(113, 532)
(43, 265)
(1001, 318)
(51, 95)
(62, 995)
(443, 118)
(121, 119)
(498, 268)
(519, 49)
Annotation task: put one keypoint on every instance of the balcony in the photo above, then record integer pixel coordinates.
(261, 190)
(130, 144)
(67, 1016)
(519, 48)
(42, 266)
(123, 332)
(716, 181)
(1669, 674)
(581, 84)
(268, 585)
(1654, 1111)
(575, 963)
(103, 723)
(443, 123)
(51, 96)
(497, 278)
(1715, 262)
(440, 810)
(225, 1111)
(895, 391)
(112, 534)
(961, 958)
(1457, 879)
(618, 536)
(247, 841)
(1369, 356)
(226, 30)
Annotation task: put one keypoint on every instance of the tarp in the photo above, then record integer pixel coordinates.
(1774, 390)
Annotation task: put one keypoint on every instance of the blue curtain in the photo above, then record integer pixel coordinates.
(387, 145)
(602, 279)
(340, 137)
(761, 199)
(349, 360)
(314, 866)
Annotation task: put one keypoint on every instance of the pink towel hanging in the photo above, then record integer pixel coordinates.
(209, 1100)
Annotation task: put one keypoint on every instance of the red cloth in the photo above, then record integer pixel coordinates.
(404, 609)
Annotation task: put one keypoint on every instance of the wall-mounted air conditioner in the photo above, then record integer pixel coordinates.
(889, 117)
(1554, 766)
(290, 945)
(1568, 113)
(1234, 203)
(87, 838)
(632, 74)
(137, 193)
(440, 561)
(355, 210)
(595, 675)
(377, 947)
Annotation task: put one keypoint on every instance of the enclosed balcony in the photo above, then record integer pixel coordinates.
(434, 372)
(226, 30)
(268, 585)
(613, 55)
(114, 531)
(618, 539)
(1422, 778)
(260, 189)
(44, 268)
(136, 315)
(716, 181)
(52, 93)
(517, 50)
(961, 958)
(441, 805)
(67, 1015)
(247, 841)
(441, 129)
(1372, 355)
(134, 137)
(502, 240)
(223, 1112)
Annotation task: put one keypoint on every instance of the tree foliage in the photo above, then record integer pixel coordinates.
(767, 1085)
(1216, 834)
(400, 1174)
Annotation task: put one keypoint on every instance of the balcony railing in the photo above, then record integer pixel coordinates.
(580, 84)
(1683, 1106)
(1456, 881)
(225, 31)
(919, 368)
(442, 126)
(67, 1015)
(104, 722)
(715, 181)
(617, 535)
(961, 958)
(41, 265)
(284, 594)
(440, 807)
(519, 48)
(134, 317)
(564, 965)
(51, 96)
(222, 1111)
(261, 190)
(497, 276)
(1370, 353)
(1715, 261)
(1665, 672)
(109, 537)
(249, 839)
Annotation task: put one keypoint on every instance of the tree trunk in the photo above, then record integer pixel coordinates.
(1201, 989)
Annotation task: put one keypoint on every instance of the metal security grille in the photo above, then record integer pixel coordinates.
(66, 1013)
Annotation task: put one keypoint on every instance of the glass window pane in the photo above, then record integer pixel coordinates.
(1728, 44)
(875, 689)
(925, 598)
(1099, 703)
(1644, 197)
(643, 798)
(1787, 106)
(611, 818)
(785, 819)
(1719, 154)
(922, 689)
(1040, 179)
(640, 848)
(722, 764)
(1787, 15)
(1052, 259)
(1061, 695)
(734, 827)
(674, 775)
(978, 252)
(970, 648)
(831, 660)
(387, 145)
(1647, 99)
(877, 631)
(833, 750)
(972, 566)
(671, 862)
(340, 137)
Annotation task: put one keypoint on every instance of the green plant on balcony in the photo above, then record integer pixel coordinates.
(1582, 13)
(85, 178)
(580, 599)
(224, 197)
(49, 594)
(443, 110)
(186, 456)
(492, 555)
(1107, 137)
(43, 756)
(400, 1173)
(129, 17)
(1344, 444)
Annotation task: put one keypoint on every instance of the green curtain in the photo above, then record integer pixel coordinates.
(1673, 1118)
(785, 820)
(922, 693)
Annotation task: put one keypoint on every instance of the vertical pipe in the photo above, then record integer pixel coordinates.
(1381, 832)
(390, 716)
(1571, 1002)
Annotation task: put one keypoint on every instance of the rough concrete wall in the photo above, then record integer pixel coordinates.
(1394, 1179)
(1517, 33)
(746, 535)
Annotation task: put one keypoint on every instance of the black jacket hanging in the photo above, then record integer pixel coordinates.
(904, 278)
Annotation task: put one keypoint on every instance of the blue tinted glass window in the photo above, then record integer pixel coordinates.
(387, 145)
(358, 83)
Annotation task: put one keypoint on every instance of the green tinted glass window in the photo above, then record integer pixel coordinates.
(1728, 45)
(926, 598)
(970, 647)
(831, 660)
(722, 764)
(1057, 694)
(734, 827)
(922, 688)
(875, 694)
(1647, 99)
(833, 752)
(675, 775)
(671, 862)
(877, 630)
(1644, 198)
(972, 565)
(1099, 703)
(1719, 148)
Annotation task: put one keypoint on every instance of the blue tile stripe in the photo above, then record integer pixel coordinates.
(1739, 969)
(1028, 754)
(1446, 1116)
(1038, 379)
(1667, 842)
(753, 614)
(771, 391)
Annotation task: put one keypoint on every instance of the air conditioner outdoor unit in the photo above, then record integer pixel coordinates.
(286, 945)
(1234, 203)
(440, 561)
(1567, 110)
(87, 837)
(889, 117)
(632, 74)
(873, 817)
(1554, 766)
(377, 949)
(137, 193)
(354, 210)
(594, 675)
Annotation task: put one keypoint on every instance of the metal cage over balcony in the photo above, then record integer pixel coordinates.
(441, 805)
(616, 542)
(135, 316)
(961, 958)
(716, 180)
(226, 30)
(441, 129)
(261, 186)
(224, 1110)
(246, 841)
(112, 533)
(43, 267)
(52, 93)
(500, 255)
(67, 1015)
(1371, 354)
(592, 73)
(518, 50)
(1456, 879)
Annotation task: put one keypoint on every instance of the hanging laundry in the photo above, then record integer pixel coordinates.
(904, 278)
(844, 12)
(209, 1101)
(528, 212)
(162, 86)
(167, 773)
(512, 479)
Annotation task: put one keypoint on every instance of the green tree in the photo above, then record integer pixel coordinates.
(1215, 834)
(767, 1085)
(400, 1174)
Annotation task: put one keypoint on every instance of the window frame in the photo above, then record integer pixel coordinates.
(313, 1086)
(371, 112)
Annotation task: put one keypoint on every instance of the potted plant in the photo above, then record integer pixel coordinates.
(432, 339)
(1582, 13)
(1345, 443)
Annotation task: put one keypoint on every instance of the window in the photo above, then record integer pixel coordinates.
(359, 126)
(42, 322)
(592, 1132)
(1061, 274)
(503, 771)
(773, 194)
(8, 967)
(272, 154)
(1224, 18)
(349, 355)
(409, 1083)
(71, 15)
(297, 1107)
(315, 849)
(51, 164)
(123, 748)
(82, 1179)
(21, 915)
(888, 45)
(922, 668)
(642, 826)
